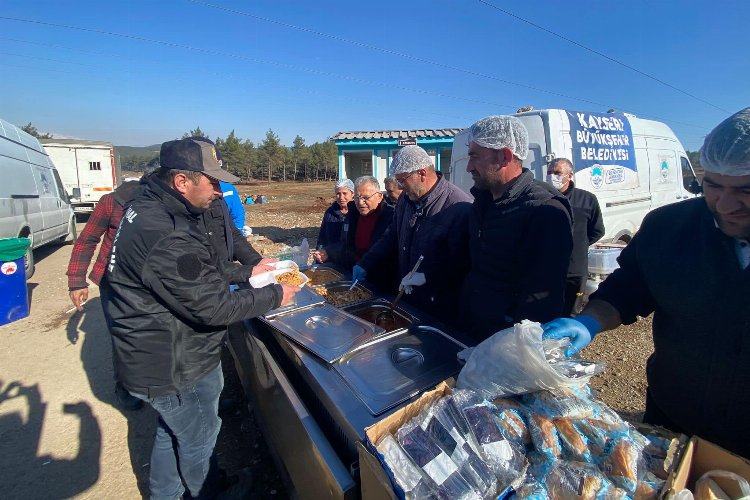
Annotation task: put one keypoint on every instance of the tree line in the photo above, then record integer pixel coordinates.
(268, 160)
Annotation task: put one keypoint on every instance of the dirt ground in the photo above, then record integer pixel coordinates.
(61, 433)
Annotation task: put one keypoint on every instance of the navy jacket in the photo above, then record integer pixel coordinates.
(588, 228)
(520, 249)
(437, 227)
(331, 226)
(684, 270)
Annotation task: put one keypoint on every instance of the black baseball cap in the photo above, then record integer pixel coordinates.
(196, 155)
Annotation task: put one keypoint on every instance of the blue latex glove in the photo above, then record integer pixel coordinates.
(580, 331)
(358, 273)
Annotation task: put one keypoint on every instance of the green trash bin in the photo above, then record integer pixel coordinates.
(14, 299)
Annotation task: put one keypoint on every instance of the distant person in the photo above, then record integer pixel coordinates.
(167, 303)
(431, 219)
(249, 200)
(333, 218)
(689, 266)
(520, 234)
(263, 199)
(234, 202)
(367, 219)
(588, 228)
(101, 227)
(392, 191)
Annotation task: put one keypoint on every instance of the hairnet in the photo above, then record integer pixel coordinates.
(497, 132)
(410, 159)
(345, 183)
(726, 149)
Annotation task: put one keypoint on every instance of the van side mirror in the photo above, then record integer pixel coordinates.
(695, 187)
(76, 193)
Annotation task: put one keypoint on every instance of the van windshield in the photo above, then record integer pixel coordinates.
(60, 188)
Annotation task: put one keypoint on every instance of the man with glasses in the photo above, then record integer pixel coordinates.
(167, 303)
(689, 265)
(368, 218)
(520, 234)
(431, 220)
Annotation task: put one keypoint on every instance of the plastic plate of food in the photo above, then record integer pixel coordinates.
(284, 276)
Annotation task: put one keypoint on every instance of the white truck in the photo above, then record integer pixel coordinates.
(88, 169)
(632, 165)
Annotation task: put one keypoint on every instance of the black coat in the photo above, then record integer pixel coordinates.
(437, 227)
(166, 297)
(588, 228)
(520, 248)
(343, 252)
(684, 270)
(226, 239)
(331, 226)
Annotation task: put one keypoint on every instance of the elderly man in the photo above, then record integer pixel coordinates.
(431, 220)
(333, 218)
(167, 304)
(363, 227)
(520, 235)
(689, 265)
(588, 228)
(392, 191)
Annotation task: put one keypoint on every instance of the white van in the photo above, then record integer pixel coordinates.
(632, 165)
(33, 203)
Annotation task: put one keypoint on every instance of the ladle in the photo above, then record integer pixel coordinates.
(389, 316)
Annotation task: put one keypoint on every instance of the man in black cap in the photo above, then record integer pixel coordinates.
(167, 303)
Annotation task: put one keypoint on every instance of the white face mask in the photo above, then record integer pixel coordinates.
(556, 181)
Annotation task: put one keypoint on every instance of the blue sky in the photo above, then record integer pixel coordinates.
(315, 68)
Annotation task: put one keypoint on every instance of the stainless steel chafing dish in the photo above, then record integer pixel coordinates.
(340, 289)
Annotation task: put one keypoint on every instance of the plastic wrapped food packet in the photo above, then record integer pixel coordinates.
(470, 465)
(706, 488)
(513, 426)
(578, 368)
(563, 403)
(531, 489)
(575, 480)
(436, 464)
(575, 443)
(620, 463)
(408, 476)
(648, 487)
(544, 436)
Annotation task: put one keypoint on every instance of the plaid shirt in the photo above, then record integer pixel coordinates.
(103, 221)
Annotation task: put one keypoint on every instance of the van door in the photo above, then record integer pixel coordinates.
(51, 205)
(19, 199)
(537, 146)
(664, 177)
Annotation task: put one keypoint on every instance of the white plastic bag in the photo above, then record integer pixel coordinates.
(511, 362)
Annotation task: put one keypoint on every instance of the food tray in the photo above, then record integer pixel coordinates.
(359, 293)
(320, 275)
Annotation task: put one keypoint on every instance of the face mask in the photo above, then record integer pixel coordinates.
(556, 181)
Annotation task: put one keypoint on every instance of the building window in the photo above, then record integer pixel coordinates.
(95, 165)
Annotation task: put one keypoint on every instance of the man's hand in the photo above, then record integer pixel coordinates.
(409, 282)
(289, 293)
(320, 255)
(359, 273)
(79, 297)
(580, 331)
(261, 268)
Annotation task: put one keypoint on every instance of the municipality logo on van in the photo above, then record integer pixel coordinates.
(597, 177)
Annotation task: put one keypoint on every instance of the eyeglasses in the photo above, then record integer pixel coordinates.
(401, 182)
(365, 198)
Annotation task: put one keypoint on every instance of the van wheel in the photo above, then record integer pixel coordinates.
(28, 262)
(72, 235)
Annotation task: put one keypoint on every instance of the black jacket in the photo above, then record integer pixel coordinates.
(588, 228)
(228, 241)
(437, 227)
(520, 249)
(166, 297)
(331, 226)
(343, 253)
(684, 270)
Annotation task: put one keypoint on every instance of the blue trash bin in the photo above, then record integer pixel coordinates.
(14, 299)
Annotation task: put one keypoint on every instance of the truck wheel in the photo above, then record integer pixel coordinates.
(72, 235)
(28, 262)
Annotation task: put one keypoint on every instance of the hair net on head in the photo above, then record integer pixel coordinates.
(497, 132)
(345, 183)
(726, 149)
(410, 159)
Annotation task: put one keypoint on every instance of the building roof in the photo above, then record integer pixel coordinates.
(74, 142)
(397, 134)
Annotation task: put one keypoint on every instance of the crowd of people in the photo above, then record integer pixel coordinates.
(515, 249)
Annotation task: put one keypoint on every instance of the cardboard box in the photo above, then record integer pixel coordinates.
(701, 456)
(376, 483)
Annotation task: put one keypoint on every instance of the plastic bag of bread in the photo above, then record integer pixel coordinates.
(620, 463)
(512, 361)
(560, 403)
(574, 442)
(575, 481)
(721, 485)
(648, 487)
(544, 436)
(510, 418)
